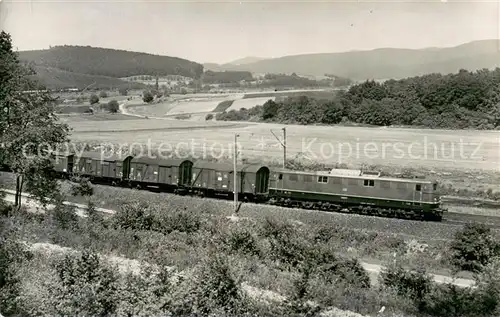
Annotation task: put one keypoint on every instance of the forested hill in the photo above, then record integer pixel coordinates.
(110, 62)
(455, 101)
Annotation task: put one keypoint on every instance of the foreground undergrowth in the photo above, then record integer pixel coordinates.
(307, 264)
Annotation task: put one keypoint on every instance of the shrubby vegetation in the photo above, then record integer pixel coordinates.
(243, 114)
(123, 91)
(147, 96)
(110, 62)
(93, 99)
(202, 264)
(112, 106)
(455, 101)
(210, 77)
(292, 81)
(474, 248)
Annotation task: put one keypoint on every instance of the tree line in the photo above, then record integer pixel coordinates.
(454, 101)
(211, 77)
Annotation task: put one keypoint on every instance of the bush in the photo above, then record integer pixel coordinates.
(209, 117)
(93, 99)
(64, 216)
(446, 300)
(213, 291)
(134, 217)
(86, 286)
(287, 246)
(144, 294)
(412, 285)
(12, 254)
(103, 94)
(182, 221)
(81, 187)
(123, 91)
(244, 242)
(113, 106)
(474, 247)
(147, 96)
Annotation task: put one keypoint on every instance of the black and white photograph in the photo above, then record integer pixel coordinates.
(332, 158)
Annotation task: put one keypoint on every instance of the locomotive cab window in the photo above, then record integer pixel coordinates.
(418, 187)
(323, 179)
(369, 182)
(308, 178)
(293, 177)
(434, 186)
(280, 176)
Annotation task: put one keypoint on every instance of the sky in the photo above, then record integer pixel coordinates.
(223, 31)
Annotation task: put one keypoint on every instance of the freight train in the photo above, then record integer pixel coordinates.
(348, 191)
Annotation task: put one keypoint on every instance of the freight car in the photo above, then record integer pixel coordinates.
(216, 179)
(199, 178)
(351, 191)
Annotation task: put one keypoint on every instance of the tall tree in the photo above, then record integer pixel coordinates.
(29, 128)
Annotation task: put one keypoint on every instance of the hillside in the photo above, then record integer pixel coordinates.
(228, 66)
(384, 63)
(54, 78)
(247, 60)
(110, 62)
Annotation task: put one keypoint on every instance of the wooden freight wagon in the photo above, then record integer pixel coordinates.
(218, 179)
(160, 173)
(63, 163)
(102, 168)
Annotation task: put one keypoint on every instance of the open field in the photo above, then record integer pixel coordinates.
(271, 93)
(72, 118)
(194, 106)
(109, 130)
(249, 103)
(439, 149)
(179, 104)
(208, 102)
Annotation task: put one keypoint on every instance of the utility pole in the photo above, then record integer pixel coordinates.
(284, 147)
(283, 144)
(235, 185)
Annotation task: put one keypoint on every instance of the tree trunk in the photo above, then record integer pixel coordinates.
(19, 189)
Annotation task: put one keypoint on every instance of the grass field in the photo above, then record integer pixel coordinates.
(314, 93)
(70, 119)
(179, 104)
(334, 144)
(223, 106)
(249, 103)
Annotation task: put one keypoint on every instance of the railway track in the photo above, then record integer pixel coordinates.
(462, 219)
(449, 217)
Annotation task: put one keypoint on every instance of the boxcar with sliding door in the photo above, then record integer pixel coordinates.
(102, 168)
(161, 174)
(218, 179)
